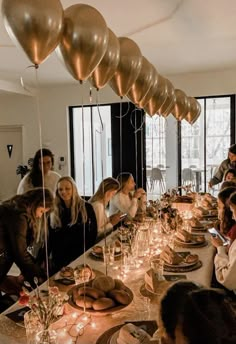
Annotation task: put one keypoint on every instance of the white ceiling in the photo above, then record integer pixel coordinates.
(176, 36)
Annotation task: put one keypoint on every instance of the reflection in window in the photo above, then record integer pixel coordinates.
(91, 132)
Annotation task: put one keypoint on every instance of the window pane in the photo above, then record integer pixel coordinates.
(155, 152)
(97, 158)
(217, 132)
(83, 181)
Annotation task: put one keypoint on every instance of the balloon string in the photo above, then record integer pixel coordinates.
(136, 147)
(99, 113)
(23, 83)
(142, 161)
(134, 125)
(122, 116)
(121, 155)
(43, 180)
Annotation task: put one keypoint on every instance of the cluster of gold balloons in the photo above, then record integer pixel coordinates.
(91, 51)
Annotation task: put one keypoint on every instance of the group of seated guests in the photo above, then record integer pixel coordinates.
(70, 227)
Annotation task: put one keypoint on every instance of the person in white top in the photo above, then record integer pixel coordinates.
(225, 259)
(106, 190)
(42, 167)
(127, 199)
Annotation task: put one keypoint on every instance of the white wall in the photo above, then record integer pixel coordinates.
(54, 102)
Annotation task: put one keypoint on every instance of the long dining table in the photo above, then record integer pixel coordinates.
(144, 305)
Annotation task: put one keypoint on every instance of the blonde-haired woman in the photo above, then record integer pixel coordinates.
(106, 190)
(73, 224)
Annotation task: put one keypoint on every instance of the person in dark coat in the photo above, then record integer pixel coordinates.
(20, 228)
(73, 225)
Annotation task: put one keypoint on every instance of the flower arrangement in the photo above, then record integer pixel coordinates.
(46, 307)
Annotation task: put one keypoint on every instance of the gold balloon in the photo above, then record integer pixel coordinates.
(84, 40)
(194, 110)
(150, 93)
(168, 105)
(128, 68)
(143, 82)
(158, 98)
(35, 25)
(181, 105)
(108, 65)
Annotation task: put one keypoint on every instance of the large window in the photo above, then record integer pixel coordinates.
(155, 153)
(91, 158)
(205, 144)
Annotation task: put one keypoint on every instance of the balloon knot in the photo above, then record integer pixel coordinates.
(36, 66)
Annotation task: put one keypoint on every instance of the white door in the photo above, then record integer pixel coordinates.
(10, 158)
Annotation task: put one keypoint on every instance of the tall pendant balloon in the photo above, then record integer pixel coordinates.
(84, 40)
(108, 65)
(143, 82)
(158, 98)
(128, 68)
(194, 110)
(35, 25)
(168, 105)
(150, 93)
(181, 105)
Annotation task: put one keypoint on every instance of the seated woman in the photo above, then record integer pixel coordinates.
(106, 190)
(127, 199)
(20, 228)
(73, 225)
(41, 171)
(190, 314)
(227, 223)
(225, 260)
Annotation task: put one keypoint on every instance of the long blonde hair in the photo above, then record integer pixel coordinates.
(77, 205)
(107, 184)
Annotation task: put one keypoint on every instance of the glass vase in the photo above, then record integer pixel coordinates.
(47, 336)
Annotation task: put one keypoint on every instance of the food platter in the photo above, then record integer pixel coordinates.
(108, 311)
(182, 264)
(186, 268)
(192, 243)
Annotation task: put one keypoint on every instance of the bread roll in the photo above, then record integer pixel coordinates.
(120, 296)
(118, 284)
(191, 258)
(91, 292)
(103, 303)
(104, 283)
(66, 272)
(199, 238)
(84, 301)
(97, 250)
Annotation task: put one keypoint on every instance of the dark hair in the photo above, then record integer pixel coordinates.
(232, 199)
(123, 178)
(106, 184)
(227, 183)
(203, 315)
(29, 201)
(35, 174)
(208, 318)
(227, 222)
(232, 149)
(171, 304)
(230, 170)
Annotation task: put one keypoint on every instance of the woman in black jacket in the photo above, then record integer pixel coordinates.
(73, 224)
(20, 228)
